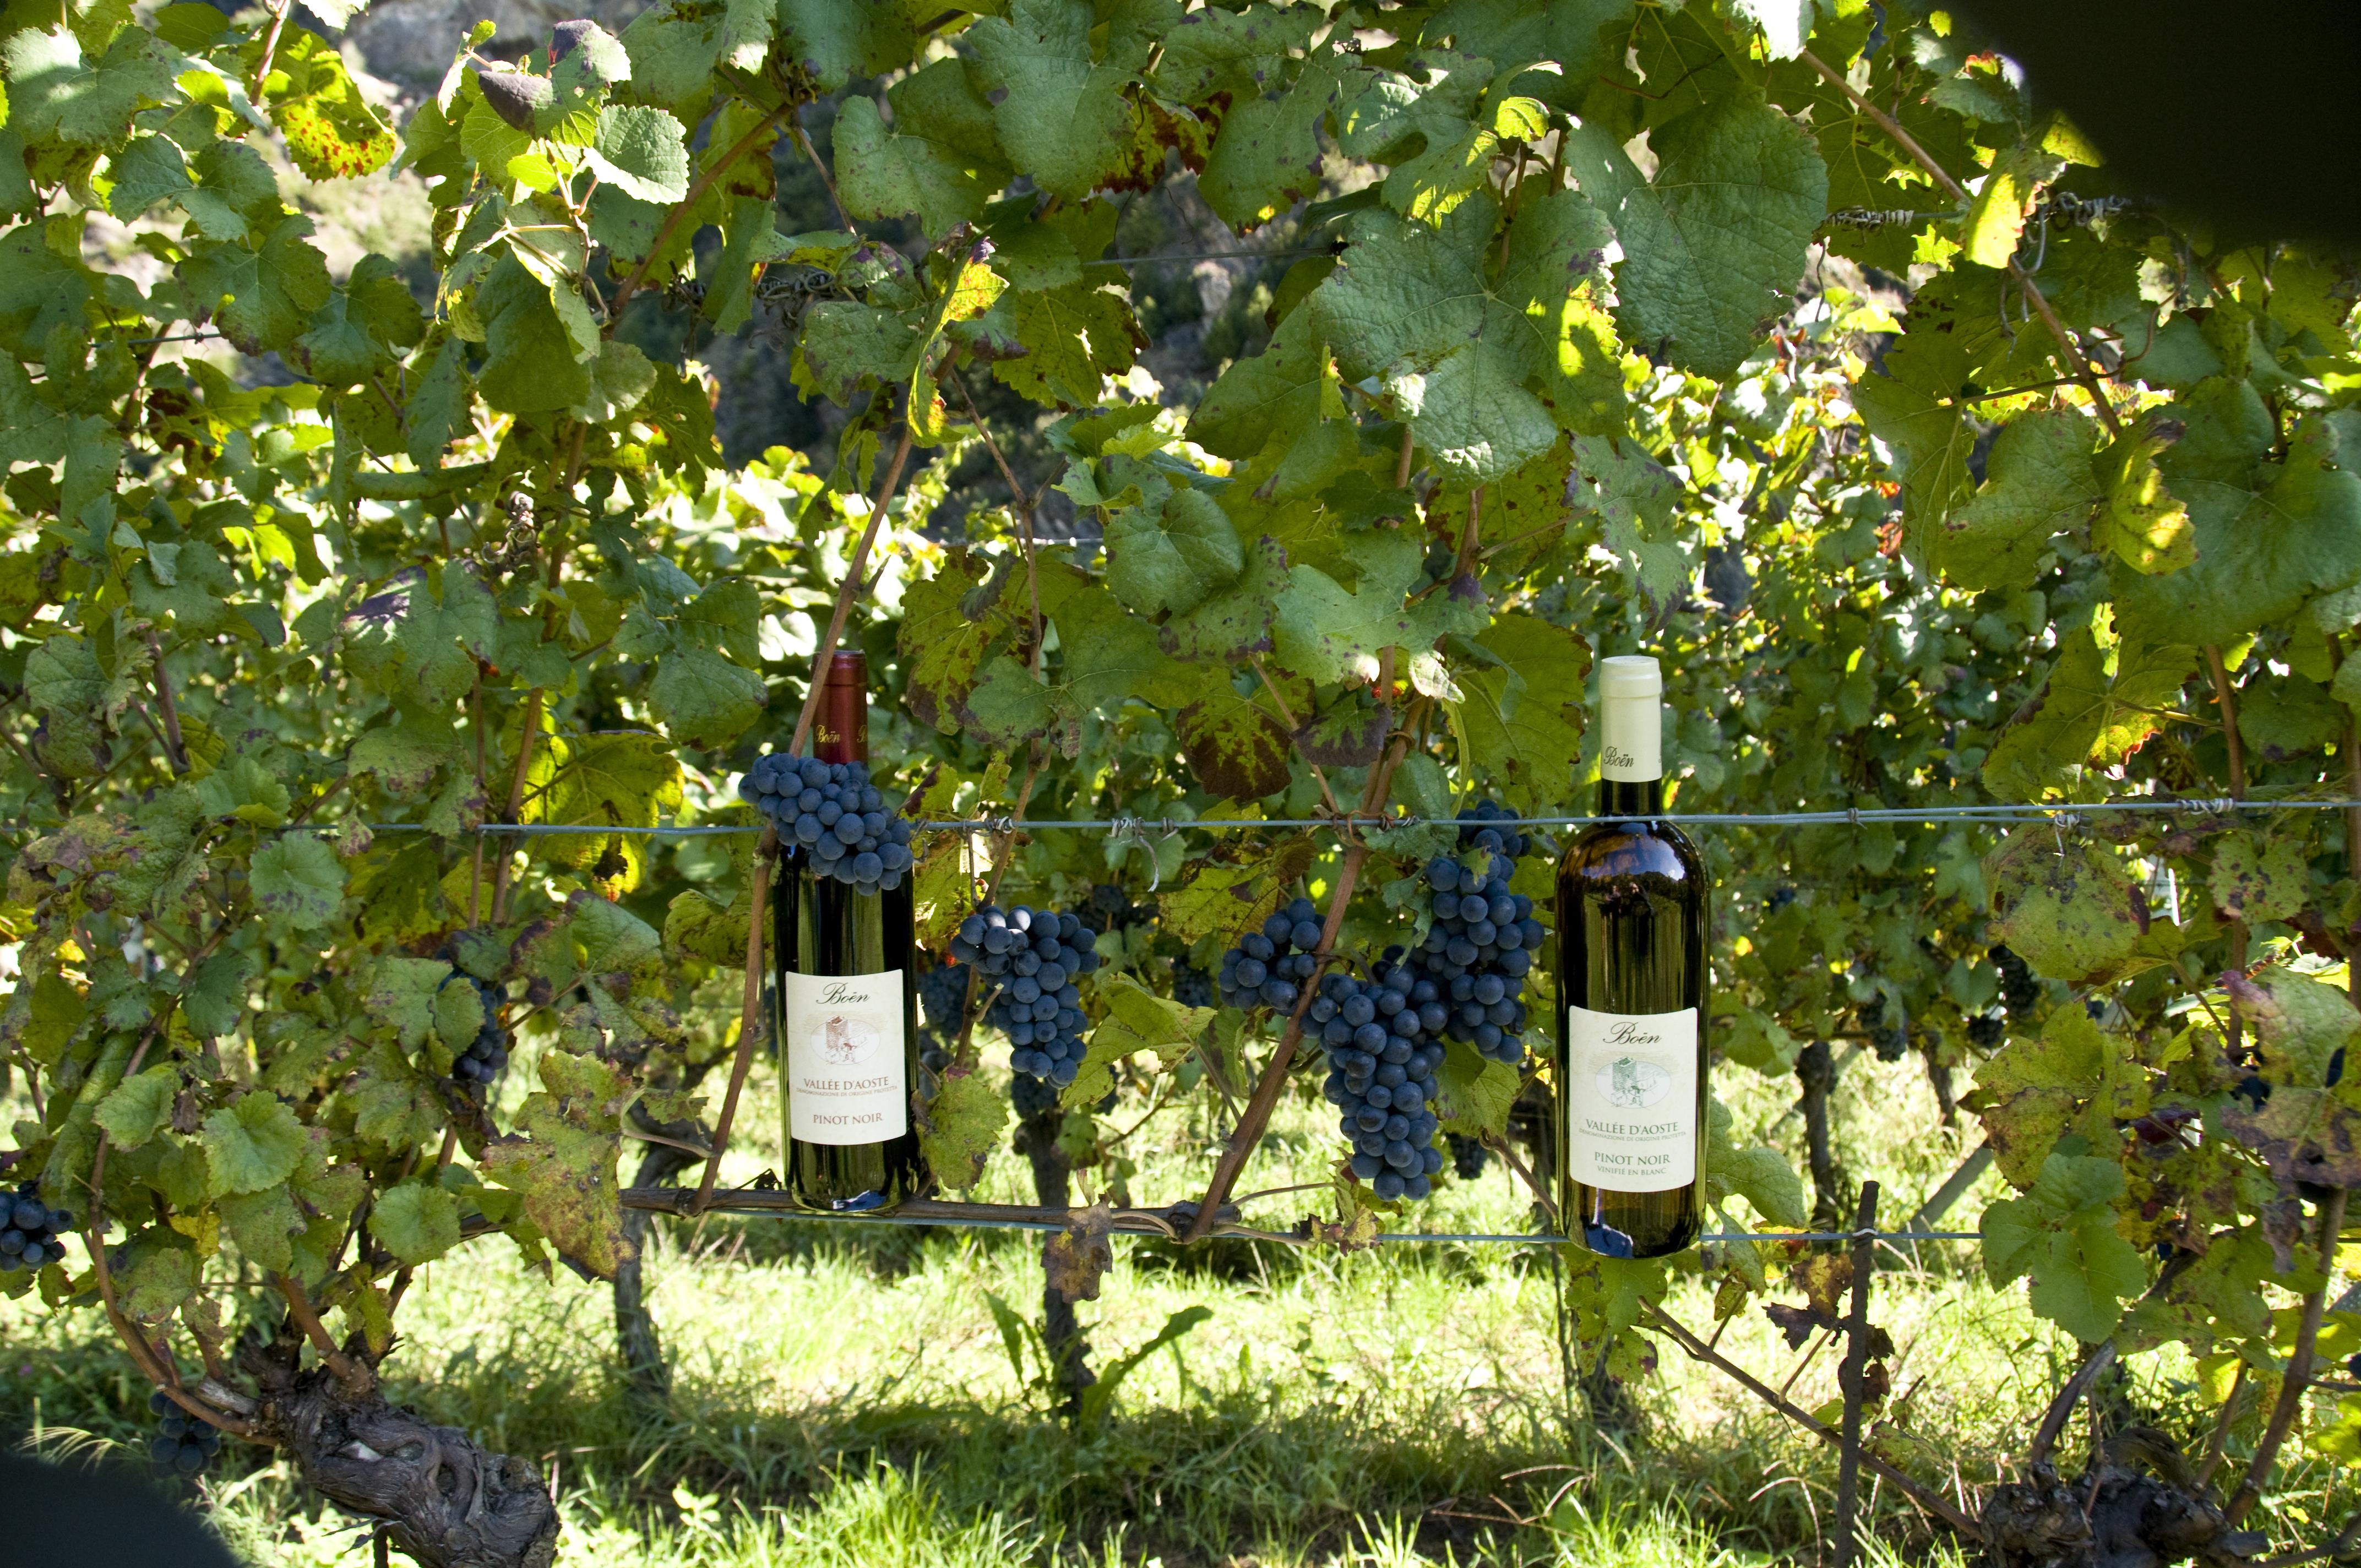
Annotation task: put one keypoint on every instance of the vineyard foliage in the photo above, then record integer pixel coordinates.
(1793, 342)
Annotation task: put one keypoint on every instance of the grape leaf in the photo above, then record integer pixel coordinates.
(2265, 541)
(1714, 242)
(262, 296)
(950, 622)
(1328, 634)
(563, 1160)
(1236, 748)
(254, 1144)
(1760, 1174)
(263, 1223)
(298, 878)
(1076, 1258)
(2062, 1233)
(54, 92)
(2034, 1092)
(1272, 397)
(1136, 1020)
(1059, 104)
(641, 152)
(703, 699)
(835, 40)
(960, 1128)
(401, 993)
(1172, 556)
(2096, 708)
(2142, 520)
(415, 1220)
(140, 1107)
(1522, 716)
(2071, 913)
(2265, 880)
(1473, 1093)
(940, 159)
(1470, 356)
(529, 364)
(2041, 486)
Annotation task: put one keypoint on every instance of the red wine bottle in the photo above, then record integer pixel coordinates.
(1631, 976)
(843, 999)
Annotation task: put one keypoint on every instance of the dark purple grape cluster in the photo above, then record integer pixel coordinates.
(1109, 907)
(1192, 987)
(487, 1053)
(1466, 1156)
(943, 1003)
(1035, 957)
(31, 1232)
(1889, 1027)
(1267, 967)
(182, 1445)
(835, 815)
(1987, 1030)
(1382, 1055)
(2019, 989)
(1483, 939)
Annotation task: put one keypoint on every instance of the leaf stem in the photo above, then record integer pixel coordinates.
(176, 750)
(803, 145)
(1288, 718)
(359, 1379)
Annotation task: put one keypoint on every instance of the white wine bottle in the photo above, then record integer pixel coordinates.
(844, 1001)
(1631, 976)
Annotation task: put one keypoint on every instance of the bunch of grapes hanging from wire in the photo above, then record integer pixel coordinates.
(1482, 940)
(1035, 959)
(835, 814)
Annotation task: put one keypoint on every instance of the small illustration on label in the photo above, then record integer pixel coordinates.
(1631, 1085)
(848, 1041)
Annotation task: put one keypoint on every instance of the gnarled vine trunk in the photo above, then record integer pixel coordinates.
(444, 1499)
(1061, 1332)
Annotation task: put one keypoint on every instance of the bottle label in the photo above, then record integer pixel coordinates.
(845, 1080)
(1631, 1099)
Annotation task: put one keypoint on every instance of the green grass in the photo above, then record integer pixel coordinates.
(843, 1395)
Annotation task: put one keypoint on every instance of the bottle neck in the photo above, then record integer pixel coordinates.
(841, 729)
(1631, 797)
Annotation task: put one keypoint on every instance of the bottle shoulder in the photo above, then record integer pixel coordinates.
(1632, 848)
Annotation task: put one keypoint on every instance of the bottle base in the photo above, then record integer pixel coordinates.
(874, 1202)
(1606, 1241)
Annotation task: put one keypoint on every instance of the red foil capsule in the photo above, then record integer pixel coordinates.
(840, 732)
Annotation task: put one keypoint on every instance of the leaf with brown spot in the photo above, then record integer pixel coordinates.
(2304, 1136)
(2067, 909)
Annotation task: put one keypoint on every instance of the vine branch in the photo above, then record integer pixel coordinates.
(1926, 1496)
(854, 574)
(2077, 364)
(2297, 1377)
(750, 1013)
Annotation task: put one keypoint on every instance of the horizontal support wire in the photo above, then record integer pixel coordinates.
(1156, 1224)
(1854, 817)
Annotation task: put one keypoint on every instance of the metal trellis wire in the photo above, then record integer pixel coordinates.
(1855, 816)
